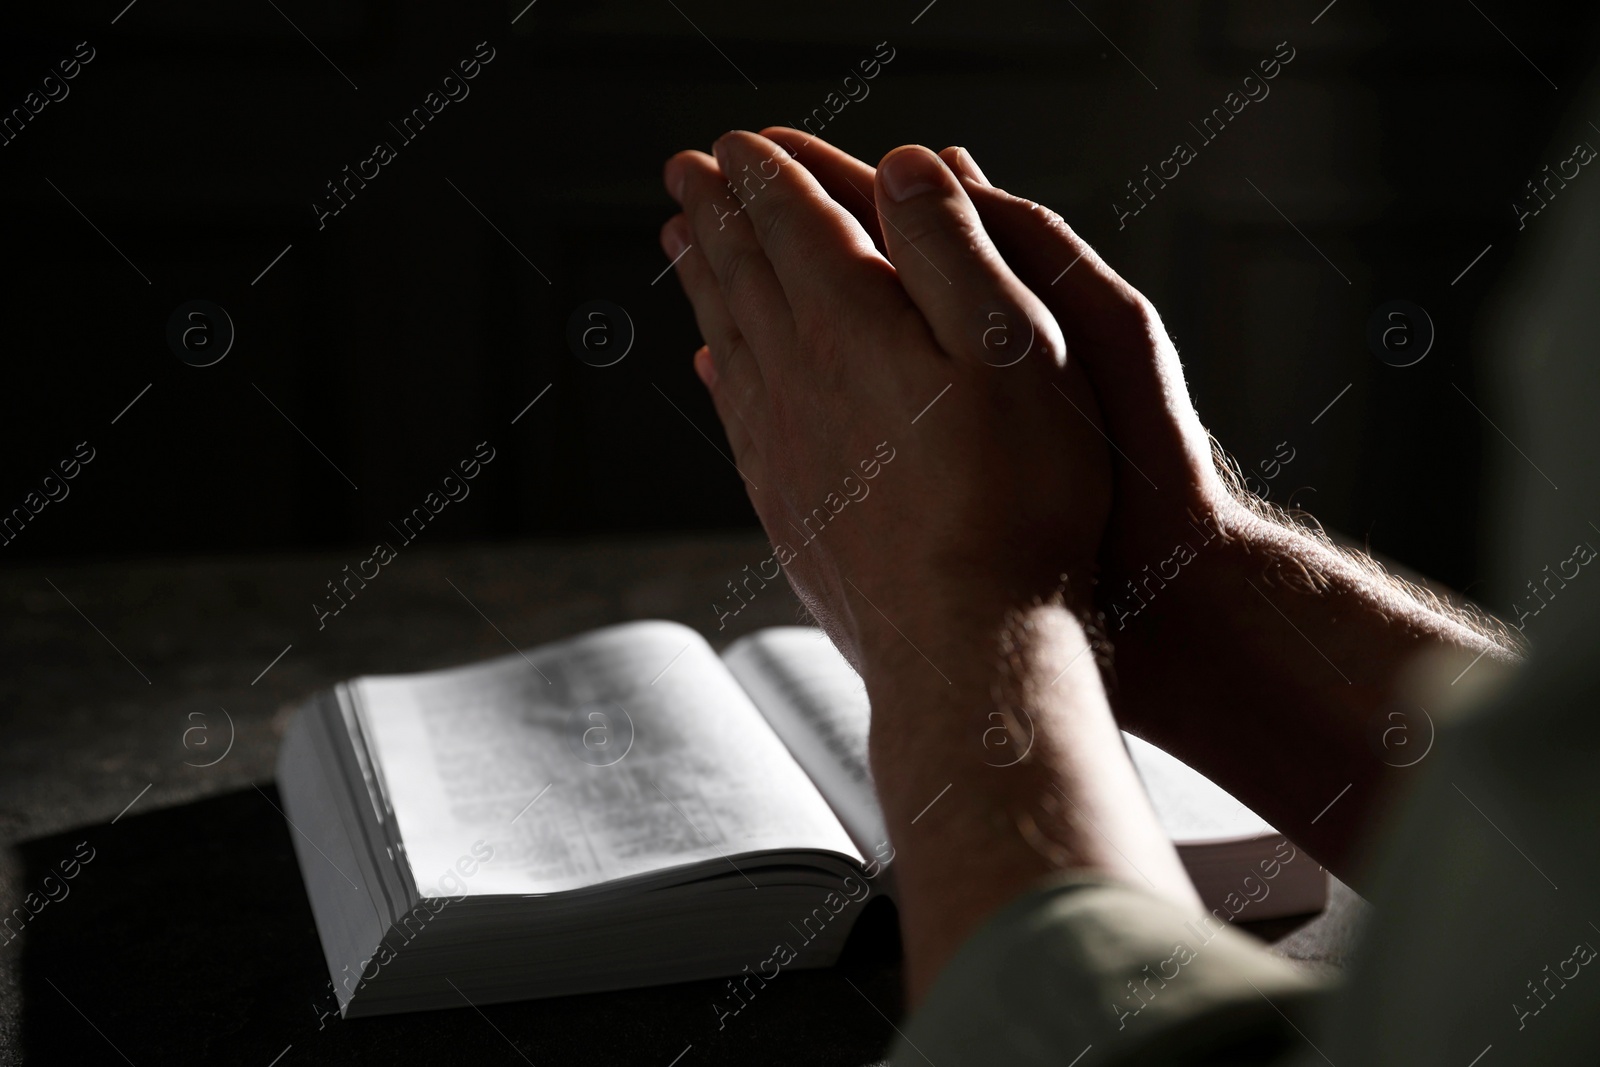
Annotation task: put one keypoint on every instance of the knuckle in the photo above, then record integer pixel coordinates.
(745, 388)
(1050, 219)
(940, 224)
(745, 395)
(1039, 217)
(740, 389)
(828, 348)
(740, 269)
(814, 333)
(727, 347)
(774, 216)
(1137, 314)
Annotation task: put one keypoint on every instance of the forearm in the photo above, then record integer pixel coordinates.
(1272, 662)
(978, 812)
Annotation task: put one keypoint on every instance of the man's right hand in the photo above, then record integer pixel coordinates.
(1166, 479)
(1252, 649)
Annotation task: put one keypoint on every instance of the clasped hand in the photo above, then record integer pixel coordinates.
(918, 310)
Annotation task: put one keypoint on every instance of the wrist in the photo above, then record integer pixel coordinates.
(1145, 560)
(965, 618)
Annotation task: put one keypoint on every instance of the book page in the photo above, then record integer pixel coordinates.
(618, 753)
(1193, 809)
(818, 704)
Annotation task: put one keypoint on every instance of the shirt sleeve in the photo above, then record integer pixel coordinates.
(1086, 972)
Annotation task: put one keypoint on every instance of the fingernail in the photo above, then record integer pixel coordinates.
(967, 167)
(676, 175)
(705, 368)
(720, 151)
(675, 236)
(911, 171)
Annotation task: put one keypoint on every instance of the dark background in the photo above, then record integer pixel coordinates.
(412, 327)
(408, 329)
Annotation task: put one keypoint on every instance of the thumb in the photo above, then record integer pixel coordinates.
(1112, 329)
(977, 308)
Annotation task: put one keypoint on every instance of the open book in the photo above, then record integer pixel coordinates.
(625, 808)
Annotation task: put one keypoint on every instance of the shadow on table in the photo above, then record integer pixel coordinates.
(187, 937)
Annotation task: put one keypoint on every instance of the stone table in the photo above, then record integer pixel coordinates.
(187, 936)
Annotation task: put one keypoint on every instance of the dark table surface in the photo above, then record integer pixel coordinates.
(187, 937)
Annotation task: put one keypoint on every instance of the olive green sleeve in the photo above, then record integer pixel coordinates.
(1087, 972)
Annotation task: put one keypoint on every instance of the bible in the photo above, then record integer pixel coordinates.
(627, 808)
